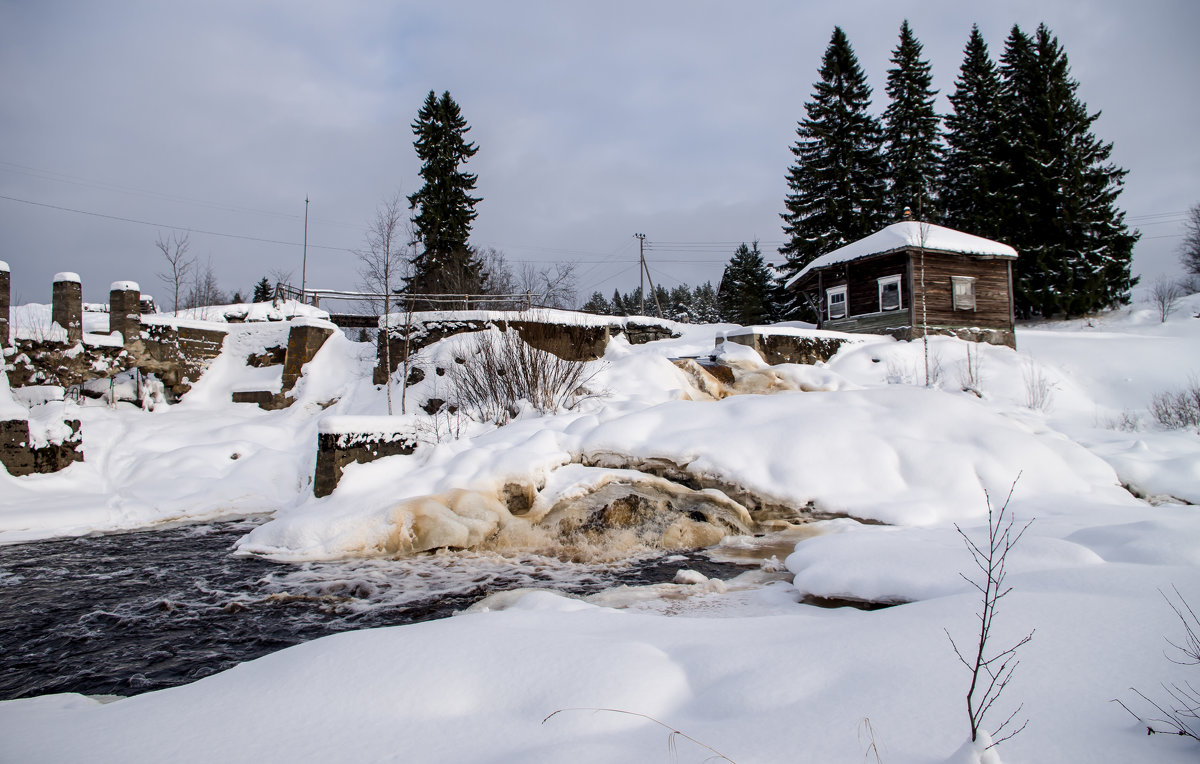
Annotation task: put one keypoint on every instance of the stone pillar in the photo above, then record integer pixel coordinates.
(125, 309)
(305, 338)
(5, 302)
(67, 306)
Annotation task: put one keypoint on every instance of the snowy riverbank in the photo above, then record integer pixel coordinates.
(748, 671)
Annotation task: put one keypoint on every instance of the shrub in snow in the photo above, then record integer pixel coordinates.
(1180, 711)
(1039, 389)
(503, 372)
(1179, 409)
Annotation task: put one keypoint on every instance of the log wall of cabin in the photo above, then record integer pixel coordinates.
(992, 303)
(861, 278)
(863, 293)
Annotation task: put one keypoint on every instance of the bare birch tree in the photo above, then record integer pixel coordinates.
(553, 283)
(382, 265)
(179, 265)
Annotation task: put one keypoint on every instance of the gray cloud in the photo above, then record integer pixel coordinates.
(595, 121)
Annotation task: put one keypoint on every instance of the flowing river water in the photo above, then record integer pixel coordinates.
(125, 613)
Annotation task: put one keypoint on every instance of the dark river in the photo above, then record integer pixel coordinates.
(126, 613)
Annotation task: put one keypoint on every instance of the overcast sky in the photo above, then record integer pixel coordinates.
(594, 121)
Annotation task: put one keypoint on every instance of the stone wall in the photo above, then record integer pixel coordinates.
(304, 340)
(790, 348)
(176, 355)
(37, 362)
(336, 450)
(573, 342)
(1005, 337)
(19, 458)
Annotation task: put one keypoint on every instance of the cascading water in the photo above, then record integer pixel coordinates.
(127, 613)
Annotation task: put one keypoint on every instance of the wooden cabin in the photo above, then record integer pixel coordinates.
(913, 278)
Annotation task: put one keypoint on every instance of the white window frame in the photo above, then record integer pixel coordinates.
(963, 303)
(845, 303)
(887, 281)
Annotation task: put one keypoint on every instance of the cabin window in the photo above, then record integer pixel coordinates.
(837, 302)
(889, 293)
(963, 288)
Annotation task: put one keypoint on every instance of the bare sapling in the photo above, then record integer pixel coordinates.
(1039, 389)
(383, 262)
(1164, 296)
(1179, 711)
(970, 374)
(991, 669)
(179, 265)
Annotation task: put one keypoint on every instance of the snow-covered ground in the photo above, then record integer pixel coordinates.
(743, 667)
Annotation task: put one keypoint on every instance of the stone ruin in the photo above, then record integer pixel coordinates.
(64, 356)
(570, 341)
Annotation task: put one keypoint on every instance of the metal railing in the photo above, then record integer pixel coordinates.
(416, 302)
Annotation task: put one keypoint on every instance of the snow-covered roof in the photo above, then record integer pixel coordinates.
(124, 286)
(909, 233)
(3, 267)
(66, 276)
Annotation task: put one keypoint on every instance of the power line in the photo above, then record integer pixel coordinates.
(58, 177)
(172, 227)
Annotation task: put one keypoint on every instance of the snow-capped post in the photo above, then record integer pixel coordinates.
(125, 309)
(991, 671)
(5, 302)
(67, 305)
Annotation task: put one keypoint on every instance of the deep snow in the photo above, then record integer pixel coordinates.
(744, 668)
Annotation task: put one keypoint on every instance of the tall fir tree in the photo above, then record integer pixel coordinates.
(974, 178)
(836, 187)
(444, 208)
(1075, 248)
(745, 292)
(911, 134)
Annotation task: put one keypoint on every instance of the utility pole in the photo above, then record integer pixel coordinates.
(641, 237)
(304, 262)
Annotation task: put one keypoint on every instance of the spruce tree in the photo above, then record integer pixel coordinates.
(598, 305)
(619, 308)
(1189, 250)
(912, 142)
(681, 305)
(262, 291)
(973, 180)
(444, 207)
(836, 187)
(745, 293)
(705, 306)
(1075, 248)
(659, 303)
